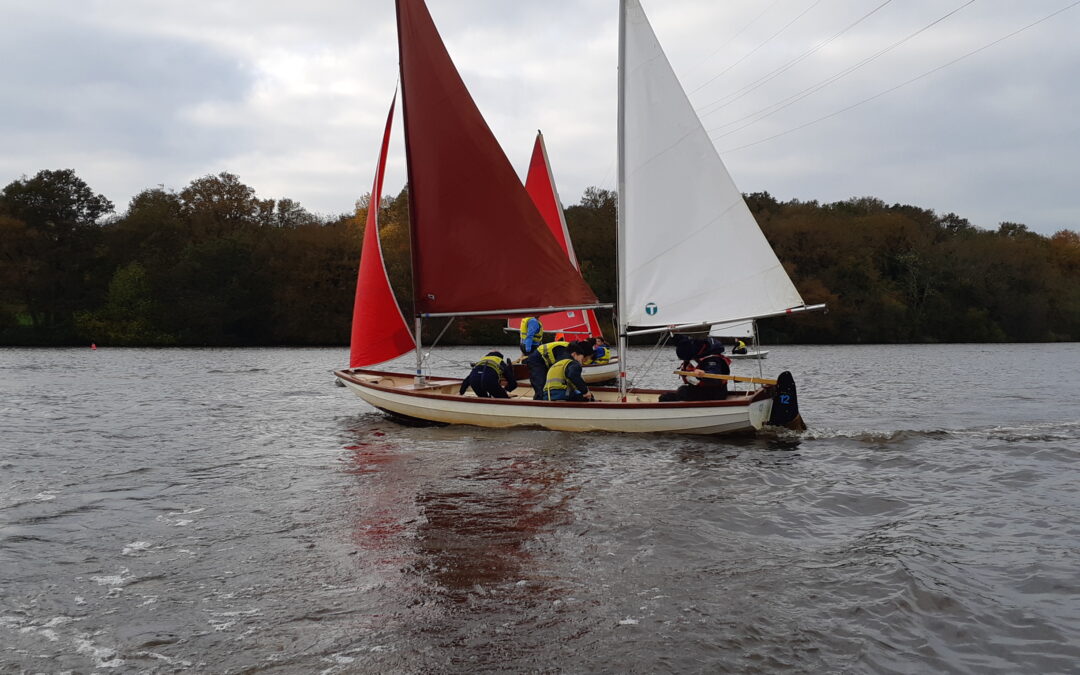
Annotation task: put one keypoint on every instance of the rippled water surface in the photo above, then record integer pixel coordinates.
(234, 511)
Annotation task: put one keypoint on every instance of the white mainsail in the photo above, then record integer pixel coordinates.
(739, 329)
(691, 251)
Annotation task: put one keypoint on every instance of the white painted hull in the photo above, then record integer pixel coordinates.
(601, 373)
(439, 402)
(751, 355)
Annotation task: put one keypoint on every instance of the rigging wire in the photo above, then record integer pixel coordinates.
(736, 95)
(738, 33)
(770, 110)
(904, 84)
(752, 51)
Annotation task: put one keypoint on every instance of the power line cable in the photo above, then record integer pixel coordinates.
(736, 95)
(752, 51)
(739, 32)
(904, 84)
(771, 110)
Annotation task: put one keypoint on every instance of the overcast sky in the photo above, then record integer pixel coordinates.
(291, 96)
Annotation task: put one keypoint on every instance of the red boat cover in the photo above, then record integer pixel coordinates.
(379, 331)
(540, 183)
(468, 209)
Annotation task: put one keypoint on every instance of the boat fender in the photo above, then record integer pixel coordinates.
(785, 407)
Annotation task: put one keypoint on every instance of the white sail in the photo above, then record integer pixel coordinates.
(739, 329)
(692, 251)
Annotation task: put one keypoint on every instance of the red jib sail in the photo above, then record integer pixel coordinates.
(478, 242)
(379, 331)
(540, 184)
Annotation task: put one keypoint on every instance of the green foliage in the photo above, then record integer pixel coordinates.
(213, 264)
(129, 314)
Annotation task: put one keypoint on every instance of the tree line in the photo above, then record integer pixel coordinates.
(213, 264)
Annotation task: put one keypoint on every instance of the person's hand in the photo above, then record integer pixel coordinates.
(699, 371)
(590, 397)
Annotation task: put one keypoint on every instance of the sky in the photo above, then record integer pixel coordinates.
(805, 99)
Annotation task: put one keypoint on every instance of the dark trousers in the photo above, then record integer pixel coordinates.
(485, 383)
(695, 392)
(537, 374)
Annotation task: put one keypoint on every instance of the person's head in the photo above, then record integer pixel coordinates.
(599, 341)
(499, 354)
(688, 348)
(580, 350)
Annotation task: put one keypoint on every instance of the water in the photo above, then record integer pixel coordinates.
(232, 511)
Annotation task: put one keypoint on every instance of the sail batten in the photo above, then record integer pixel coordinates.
(468, 209)
(692, 248)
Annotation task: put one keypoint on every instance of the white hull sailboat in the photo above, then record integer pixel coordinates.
(743, 330)
(438, 401)
(750, 354)
(663, 150)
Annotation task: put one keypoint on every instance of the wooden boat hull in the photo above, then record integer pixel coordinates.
(439, 402)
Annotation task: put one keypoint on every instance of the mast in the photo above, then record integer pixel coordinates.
(620, 206)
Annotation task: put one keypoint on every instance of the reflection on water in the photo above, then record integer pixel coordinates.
(232, 511)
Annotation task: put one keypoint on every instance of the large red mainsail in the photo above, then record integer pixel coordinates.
(379, 331)
(478, 242)
(540, 184)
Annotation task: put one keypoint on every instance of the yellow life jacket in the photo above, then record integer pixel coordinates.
(740, 345)
(548, 352)
(605, 356)
(493, 362)
(524, 330)
(556, 377)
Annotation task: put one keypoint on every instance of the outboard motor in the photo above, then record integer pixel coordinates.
(785, 407)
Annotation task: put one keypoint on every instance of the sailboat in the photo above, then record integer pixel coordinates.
(742, 330)
(663, 151)
(573, 324)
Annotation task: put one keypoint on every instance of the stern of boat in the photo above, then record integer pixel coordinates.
(784, 405)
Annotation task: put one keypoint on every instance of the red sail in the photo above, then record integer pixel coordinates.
(540, 183)
(379, 331)
(478, 242)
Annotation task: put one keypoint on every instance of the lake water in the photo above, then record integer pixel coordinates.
(233, 511)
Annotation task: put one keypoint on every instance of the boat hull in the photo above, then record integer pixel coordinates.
(439, 402)
(751, 355)
(591, 373)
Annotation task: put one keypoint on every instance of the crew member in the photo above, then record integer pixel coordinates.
(740, 347)
(702, 357)
(564, 381)
(540, 360)
(531, 334)
(601, 352)
(491, 377)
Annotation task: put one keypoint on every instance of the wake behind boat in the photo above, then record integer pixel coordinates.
(450, 151)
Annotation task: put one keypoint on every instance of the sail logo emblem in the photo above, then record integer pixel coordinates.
(651, 308)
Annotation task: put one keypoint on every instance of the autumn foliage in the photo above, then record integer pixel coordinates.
(213, 264)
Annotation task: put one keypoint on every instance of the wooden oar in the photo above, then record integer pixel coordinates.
(733, 378)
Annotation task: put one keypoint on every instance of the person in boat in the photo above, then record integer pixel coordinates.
(491, 377)
(601, 352)
(702, 357)
(740, 347)
(542, 358)
(531, 334)
(564, 381)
